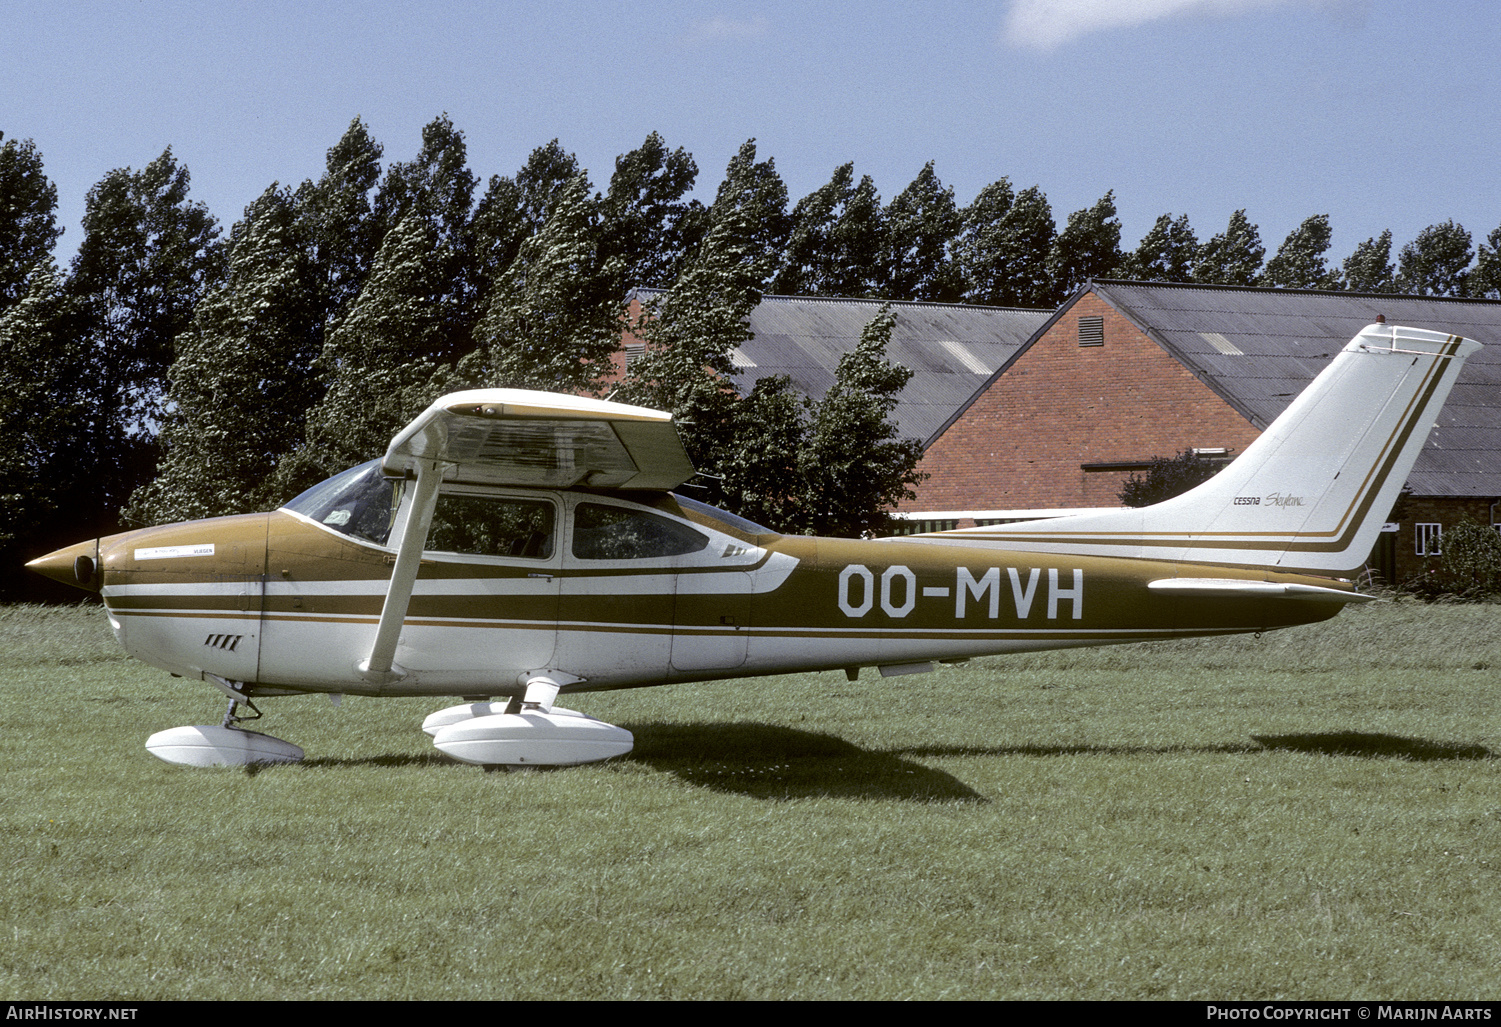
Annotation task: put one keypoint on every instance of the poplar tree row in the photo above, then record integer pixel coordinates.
(174, 372)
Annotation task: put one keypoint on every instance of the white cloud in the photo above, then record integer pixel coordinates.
(719, 27)
(1045, 24)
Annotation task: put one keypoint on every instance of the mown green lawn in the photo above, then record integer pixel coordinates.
(1312, 814)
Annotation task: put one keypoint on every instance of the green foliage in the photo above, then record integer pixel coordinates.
(437, 188)
(1165, 478)
(1166, 253)
(1485, 279)
(833, 467)
(1369, 268)
(1470, 564)
(554, 316)
(920, 224)
(854, 465)
(28, 217)
(243, 380)
(1435, 263)
(838, 240)
(377, 361)
(644, 213)
(44, 438)
(336, 217)
(1299, 262)
(514, 209)
(687, 368)
(148, 255)
(1088, 247)
(1233, 257)
(1002, 249)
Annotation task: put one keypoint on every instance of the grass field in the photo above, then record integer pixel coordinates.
(1312, 814)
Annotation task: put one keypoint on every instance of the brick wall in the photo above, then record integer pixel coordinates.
(1411, 511)
(1021, 443)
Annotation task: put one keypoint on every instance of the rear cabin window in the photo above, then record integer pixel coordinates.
(615, 533)
(492, 526)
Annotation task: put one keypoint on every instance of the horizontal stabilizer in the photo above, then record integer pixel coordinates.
(1238, 589)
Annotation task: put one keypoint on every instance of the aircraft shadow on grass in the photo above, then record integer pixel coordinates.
(772, 762)
(1369, 745)
(768, 761)
(1374, 745)
(758, 760)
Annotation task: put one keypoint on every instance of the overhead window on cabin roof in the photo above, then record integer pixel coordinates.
(1091, 331)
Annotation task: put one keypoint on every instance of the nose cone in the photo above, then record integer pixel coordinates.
(74, 565)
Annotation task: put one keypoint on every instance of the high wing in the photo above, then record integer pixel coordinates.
(521, 438)
(542, 440)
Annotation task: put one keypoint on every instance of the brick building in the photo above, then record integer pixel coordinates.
(1124, 372)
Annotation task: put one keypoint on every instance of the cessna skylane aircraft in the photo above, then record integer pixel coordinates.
(516, 545)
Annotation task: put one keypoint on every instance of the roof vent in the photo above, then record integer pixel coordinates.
(1091, 331)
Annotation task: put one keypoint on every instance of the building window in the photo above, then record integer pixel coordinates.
(1091, 331)
(1428, 539)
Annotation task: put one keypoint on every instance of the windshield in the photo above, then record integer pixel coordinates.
(359, 503)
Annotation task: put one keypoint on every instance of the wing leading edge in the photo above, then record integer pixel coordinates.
(542, 440)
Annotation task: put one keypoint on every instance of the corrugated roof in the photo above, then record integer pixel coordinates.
(1287, 336)
(951, 348)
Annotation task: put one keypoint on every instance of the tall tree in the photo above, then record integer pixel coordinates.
(554, 317)
(644, 212)
(922, 222)
(1436, 263)
(690, 335)
(28, 217)
(1485, 280)
(1369, 268)
(855, 464)
(750, 214)
(834, 467)
(514, 209)
(837, 242)
(1002, 249)
(147, 256)
(1088, 247)
(45, 370)
(1299, 262)
(1166, 253)
(1233, 257)
(438, 187)
(378, 362)
(243, 379)
(339, 221)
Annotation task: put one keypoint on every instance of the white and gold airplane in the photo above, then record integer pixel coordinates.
(516, 545)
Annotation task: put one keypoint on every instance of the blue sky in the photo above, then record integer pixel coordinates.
(1378, 113)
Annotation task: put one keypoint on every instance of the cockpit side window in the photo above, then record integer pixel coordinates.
(492, 526)
(359, 503)
(615, 533)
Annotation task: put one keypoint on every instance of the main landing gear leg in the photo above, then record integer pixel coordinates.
(228, 744)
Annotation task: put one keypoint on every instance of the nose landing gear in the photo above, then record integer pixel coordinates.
(223, 745)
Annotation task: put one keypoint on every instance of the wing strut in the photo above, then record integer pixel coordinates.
(418, 516)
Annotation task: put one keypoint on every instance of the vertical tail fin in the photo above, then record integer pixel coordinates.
(1310, 494)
